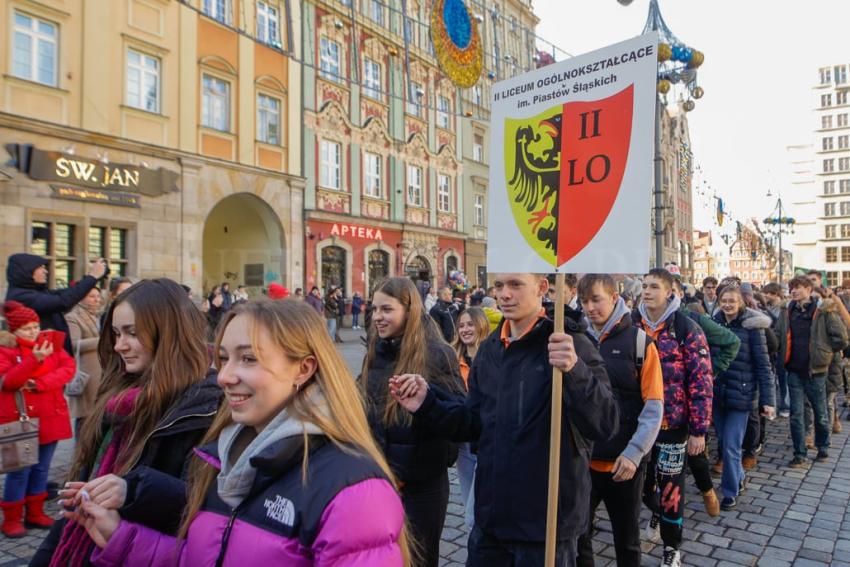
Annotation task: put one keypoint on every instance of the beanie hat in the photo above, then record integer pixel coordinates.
(747, 288)
(17, 315)
(277, 291)
(488, 302)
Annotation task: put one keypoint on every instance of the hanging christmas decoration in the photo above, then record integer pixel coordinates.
(721, 211)
(457, 42)
(677, 62)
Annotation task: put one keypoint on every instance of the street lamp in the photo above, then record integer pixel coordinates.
(780, 223)
(677, 69)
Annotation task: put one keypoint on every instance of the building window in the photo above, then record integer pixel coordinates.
(217, 10)
(268, 119)
(845, 208)
(825, 100)
(35, 50)
(826, 144)
(476, 95)
(828, 187)
(478, 147)
(414, 186)
(825, 76)
(330, 162)
(841, 97)
(268, 24)
(334, 264)
(845, 253)
(372, 175)
(443, 109)
(832, 253)
(479, 210)
(329, 60)
(828, 165)
(845, 231)
(843, 142)
(376, 12)
(826, 122)
(829, 231)
(109, 243)
(56, 242)
(832, 279)
(413, 97)
(215, 106)
(371, 78)
(379, 268)
(844, 186)
(444, 194)
(829, 209)
(142, 81)
(842, 120)
(840, 74)
(843, 164)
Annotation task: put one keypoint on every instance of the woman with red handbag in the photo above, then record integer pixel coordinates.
(40, 369)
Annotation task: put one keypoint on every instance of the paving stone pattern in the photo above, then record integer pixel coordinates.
(786, 517)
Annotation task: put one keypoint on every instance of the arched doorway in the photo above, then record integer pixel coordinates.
(379, 268)
(244, 244)
(334, 263)
(419, 270)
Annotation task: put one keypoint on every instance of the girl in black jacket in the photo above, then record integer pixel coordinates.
(405, 340)
(157, 399)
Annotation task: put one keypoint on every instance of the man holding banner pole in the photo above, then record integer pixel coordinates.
(508, 412)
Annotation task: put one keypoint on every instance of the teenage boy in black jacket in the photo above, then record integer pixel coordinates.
(508, 412)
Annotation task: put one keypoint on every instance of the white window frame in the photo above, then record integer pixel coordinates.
(842, 120)
(840, 98)
(414, 186)
(414, 107)
(37, 39)
(145, 72)
(827, 144)
(829, 187)
(844, 186)
(828, 165)
(372, 86)
(825, 100)
(330, 164)
(478, 207)
(844, 208)
(843, 142)
(844, 164)
(840, 74)
(443, 109)
(845, 231)
(830, 231)
(330, 65)
(444, 193)
(218, 10)
(825, 76)
(376, 11)
(478, 149)
(825, 122)
(268, 23)
(268, 114)
(829, 209)
(372, 173)
(215, 106)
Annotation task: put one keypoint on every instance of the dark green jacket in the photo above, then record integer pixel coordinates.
(724, 344)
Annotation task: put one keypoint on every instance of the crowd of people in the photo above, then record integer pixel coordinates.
(211, 433)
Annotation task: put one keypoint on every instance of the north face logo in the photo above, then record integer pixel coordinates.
(280, 510)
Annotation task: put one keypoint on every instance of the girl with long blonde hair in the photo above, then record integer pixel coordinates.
(405, 340)
(288, 474)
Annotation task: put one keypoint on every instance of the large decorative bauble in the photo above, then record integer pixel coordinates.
(457, 43)
(688, 105)
(663, 86)
(698, 92)
(664, 52)
(697, 58)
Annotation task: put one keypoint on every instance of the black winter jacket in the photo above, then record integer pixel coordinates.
(749, 379)
(415, 453)
(156, 485)
(442, 314)
(50, 304)
(508, 410)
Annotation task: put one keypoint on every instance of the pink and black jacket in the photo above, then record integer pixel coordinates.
(347, 513)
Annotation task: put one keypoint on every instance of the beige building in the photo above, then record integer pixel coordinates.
(161, 135)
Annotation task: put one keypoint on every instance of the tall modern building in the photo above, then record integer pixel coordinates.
(395, 155)
(164, 136)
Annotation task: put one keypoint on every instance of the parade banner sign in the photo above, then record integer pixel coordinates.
(572, 190)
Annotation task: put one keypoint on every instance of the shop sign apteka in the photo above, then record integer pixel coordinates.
(67, 168)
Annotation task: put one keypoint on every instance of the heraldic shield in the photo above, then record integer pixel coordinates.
(564, 169)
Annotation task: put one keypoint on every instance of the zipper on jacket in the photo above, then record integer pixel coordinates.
(166, 426)
(220, 560)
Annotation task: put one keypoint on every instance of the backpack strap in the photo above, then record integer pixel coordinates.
(640, 348)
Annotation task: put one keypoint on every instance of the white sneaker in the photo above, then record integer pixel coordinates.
(652, 533)
(671, 558)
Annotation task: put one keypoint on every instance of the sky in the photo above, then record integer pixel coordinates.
(761, 62)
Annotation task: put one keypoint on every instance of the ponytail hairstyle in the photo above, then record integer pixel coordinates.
(297, 330)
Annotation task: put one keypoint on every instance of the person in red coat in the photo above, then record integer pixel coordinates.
(40, 371)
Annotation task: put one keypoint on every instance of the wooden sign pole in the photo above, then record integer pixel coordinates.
(555, 435)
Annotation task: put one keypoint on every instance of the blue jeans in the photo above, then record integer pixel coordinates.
(31, 480)
(331, 327)
(355, 319)
(730, 426)
(813, 389)
(466, 463)
(487, 551)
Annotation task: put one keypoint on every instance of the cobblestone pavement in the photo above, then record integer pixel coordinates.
(786, 517)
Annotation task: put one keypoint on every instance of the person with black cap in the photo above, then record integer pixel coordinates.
(26, 276)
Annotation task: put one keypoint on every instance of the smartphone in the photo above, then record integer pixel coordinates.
(57, 338)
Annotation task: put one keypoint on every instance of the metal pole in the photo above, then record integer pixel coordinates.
(780, 240)
(659, 203)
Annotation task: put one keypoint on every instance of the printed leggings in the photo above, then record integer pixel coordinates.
(664, 489)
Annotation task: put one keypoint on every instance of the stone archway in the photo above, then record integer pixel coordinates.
(244, 244)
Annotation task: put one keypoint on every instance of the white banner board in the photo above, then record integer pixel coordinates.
(571, 169)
